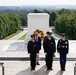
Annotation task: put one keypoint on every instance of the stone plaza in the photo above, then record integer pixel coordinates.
(15, 59)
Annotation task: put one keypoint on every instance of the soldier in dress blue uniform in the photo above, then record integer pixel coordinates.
(62, 49)
(49, 49)
(33, 50)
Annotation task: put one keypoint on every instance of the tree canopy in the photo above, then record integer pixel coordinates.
(9, 23)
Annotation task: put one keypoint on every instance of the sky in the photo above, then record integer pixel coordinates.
(36, 2)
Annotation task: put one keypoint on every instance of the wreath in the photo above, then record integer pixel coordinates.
(40, 32)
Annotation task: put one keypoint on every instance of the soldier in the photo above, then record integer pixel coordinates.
(47, 34)
(32, 48)
(38, 39)
(49, 49)
(62, 49)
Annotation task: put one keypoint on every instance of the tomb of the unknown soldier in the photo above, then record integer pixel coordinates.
(37, 21)
(14, 58)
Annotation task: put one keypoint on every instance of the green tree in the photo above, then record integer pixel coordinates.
(9, 23)
(53, 16)
(64, 11)
(66, 23)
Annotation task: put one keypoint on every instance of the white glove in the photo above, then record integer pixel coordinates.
(37, 53)
(45, 53)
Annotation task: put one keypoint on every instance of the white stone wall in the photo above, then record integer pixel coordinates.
(37, 21)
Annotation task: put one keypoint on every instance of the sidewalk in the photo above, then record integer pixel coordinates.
(23, 68)
(19, 45)
(18, 35)
(54, 34)
(16, 60)
(17, 50)
(26, 30)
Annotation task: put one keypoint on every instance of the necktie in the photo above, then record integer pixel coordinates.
(36, 38)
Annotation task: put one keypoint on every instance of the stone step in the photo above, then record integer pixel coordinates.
(23, 56)
(28, 59)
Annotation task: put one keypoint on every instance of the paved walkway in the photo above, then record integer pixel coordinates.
(13, 53)
(15, 58)
(26, 30)
(20, 46)
(18, 35)
(54, 34)
(23, 68)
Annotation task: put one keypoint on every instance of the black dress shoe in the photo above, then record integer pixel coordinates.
(62, 69)
(49, 69)
(32, 68)
(38, 63)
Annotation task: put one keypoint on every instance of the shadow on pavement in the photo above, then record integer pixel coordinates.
(25, 72)
(59, 73)
(41, 71)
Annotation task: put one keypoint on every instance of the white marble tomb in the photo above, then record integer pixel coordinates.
(37, 21)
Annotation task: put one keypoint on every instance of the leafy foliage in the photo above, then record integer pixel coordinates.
(66, 23)
(9, 23)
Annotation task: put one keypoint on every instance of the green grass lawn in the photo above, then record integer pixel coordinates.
(10, 36)
(22, 37)
(54, 38)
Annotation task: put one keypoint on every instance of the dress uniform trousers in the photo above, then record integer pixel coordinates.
(33, 60)
(62, 60)
(49, 60)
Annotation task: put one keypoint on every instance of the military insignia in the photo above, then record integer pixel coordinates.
(66, 46)
(66, 42)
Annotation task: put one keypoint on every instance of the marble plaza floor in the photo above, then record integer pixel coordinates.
(16, 60)
(23, 68)
(19, 47)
